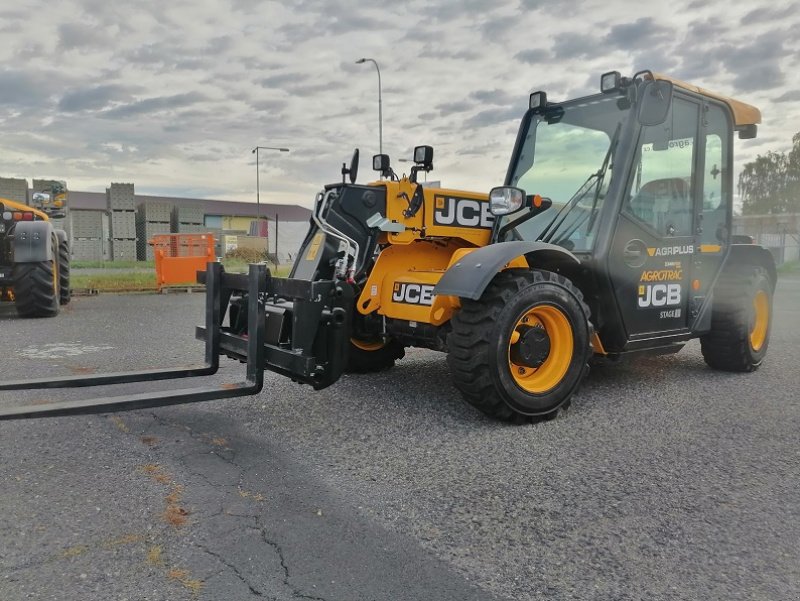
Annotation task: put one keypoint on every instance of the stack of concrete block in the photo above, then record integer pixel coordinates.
(46, 185)
(151, 219)
(188, 220)
(87, 235)
(14, 189)
(122, 220)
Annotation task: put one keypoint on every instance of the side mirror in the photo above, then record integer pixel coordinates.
(506, 199)
(354, 167)
(655, 100)
(353, 171)
(40, 199)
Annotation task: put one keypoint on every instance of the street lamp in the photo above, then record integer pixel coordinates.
(380, 102)
(258, 183)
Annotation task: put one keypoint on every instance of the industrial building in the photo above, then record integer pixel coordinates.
(117, 224)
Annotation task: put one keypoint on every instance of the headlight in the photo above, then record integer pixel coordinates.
(505, 200)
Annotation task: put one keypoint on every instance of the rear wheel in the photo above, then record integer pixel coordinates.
(741, 321)
(371, 356)
(64, 291)
(521, 350)
(36, 287)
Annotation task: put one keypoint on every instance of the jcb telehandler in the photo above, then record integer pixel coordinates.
(611, 237)
(34, 256)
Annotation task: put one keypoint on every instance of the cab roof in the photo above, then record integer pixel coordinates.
(743, 113)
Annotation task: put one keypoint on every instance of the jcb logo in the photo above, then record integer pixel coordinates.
(659, 295)
(412, 294)
(462, 212)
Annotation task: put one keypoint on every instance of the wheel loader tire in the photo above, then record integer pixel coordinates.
(64, 291)
(522, 349)
(741, 321)
(368, 357)
(36, 288)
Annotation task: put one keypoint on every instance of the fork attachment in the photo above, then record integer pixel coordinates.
(219, 288)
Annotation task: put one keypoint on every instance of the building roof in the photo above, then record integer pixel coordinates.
(97, 201)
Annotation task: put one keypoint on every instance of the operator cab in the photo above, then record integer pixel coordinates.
(640, 178)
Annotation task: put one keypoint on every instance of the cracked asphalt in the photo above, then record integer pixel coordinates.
(665, 480)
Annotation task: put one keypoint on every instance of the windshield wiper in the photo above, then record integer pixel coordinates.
(594, 181)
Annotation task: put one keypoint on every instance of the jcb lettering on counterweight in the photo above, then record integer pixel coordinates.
(659, 295)
(462, 212)
(412, 294)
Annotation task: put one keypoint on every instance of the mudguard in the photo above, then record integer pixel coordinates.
(470, 276)
(33, 241)
(62, 236)
(753, 254)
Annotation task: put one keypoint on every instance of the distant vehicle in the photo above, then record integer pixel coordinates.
(34, 256)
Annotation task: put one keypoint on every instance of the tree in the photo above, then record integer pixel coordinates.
(771, 183)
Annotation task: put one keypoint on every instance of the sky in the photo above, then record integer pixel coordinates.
(173, 95)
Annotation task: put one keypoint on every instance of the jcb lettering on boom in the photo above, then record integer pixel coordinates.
(412, 294)
(462, 212)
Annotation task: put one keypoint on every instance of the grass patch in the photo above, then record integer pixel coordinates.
(789, 268)
(131, 281)
(112, 264)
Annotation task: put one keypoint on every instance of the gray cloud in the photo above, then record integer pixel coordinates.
(93, 98)
(72, 36)
(569, 45)
(458, 106)
(774, 13)
(496, 96)
(532, 56)
(644, 30)
(493, 116)
(282, 79)
(27, 89)
(790, 96)
(153, 105)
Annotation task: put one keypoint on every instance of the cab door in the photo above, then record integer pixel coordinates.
(650, 262)
(713, 209)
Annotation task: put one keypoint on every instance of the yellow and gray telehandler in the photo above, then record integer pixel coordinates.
(34, 256)
(611, 237)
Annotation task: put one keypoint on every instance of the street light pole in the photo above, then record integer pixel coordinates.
(258, 182)
(380, 101)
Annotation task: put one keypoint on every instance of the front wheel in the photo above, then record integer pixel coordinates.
(371, 356)
(36, 288)
(521, 350)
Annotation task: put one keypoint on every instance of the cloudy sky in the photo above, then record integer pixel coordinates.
(172, 95)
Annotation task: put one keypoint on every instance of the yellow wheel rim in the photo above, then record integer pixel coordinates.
(758, 333)
(538, 380)
(368, 346)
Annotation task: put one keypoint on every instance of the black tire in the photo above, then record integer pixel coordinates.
(35, 289)
(362, 361)
(64, 291)
(728, 346)
(479, 344)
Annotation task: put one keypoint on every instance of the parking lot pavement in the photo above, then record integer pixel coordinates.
(665, 480)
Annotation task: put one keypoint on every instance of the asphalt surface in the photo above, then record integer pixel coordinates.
(665, 480)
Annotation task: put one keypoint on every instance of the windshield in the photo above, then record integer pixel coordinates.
(567, 156)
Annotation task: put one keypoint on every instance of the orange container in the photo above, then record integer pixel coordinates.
(180, 256)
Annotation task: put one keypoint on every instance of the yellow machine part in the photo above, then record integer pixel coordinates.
(12, 205)
(401, 282)
(444, 213)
